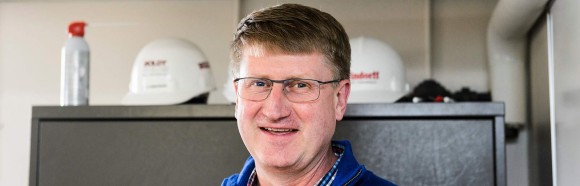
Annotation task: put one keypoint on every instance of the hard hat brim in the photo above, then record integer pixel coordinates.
(374, 96)
(157, 98)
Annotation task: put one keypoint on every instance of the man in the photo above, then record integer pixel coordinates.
(292, 65)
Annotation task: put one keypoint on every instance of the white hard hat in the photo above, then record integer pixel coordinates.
(377, 72)
(168, 71)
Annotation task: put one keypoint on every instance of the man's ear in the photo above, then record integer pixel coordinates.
(342, 98)
(236, 107)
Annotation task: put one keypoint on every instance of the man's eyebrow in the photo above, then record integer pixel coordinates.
(257, 76)
(299, 77)
(267, 76)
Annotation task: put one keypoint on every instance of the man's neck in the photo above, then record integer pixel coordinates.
(308, 175)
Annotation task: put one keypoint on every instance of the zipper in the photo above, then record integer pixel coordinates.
(354, 177)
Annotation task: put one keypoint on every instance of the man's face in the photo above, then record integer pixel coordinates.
(311, 124)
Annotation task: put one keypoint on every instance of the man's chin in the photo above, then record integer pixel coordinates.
(279, 165)
(277, 160)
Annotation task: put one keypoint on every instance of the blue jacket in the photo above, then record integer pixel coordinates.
(350, 172)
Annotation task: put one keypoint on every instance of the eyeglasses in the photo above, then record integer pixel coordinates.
(296, 90)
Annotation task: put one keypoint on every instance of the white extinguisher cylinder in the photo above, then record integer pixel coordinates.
(74, 76)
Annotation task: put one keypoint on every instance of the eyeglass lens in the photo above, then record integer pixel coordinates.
(297, 90)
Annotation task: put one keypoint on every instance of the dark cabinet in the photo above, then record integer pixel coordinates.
(410, 144)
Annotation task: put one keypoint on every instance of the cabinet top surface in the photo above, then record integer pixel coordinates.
(227, 111)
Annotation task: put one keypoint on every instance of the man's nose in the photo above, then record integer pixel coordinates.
(277, 105)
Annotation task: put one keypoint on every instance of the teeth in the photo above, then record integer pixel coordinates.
(279, 130)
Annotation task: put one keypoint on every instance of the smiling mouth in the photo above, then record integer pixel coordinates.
(278, 130)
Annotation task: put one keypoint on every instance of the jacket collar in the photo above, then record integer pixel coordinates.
(349, 170)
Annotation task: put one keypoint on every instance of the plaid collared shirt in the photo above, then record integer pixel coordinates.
(326, 180)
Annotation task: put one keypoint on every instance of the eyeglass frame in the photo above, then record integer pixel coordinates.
(284, 83)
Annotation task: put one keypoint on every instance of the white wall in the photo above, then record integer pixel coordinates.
(32, 33)
(459, 31)
(566, 34)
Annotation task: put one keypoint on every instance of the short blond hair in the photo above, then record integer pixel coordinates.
(294, 29)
